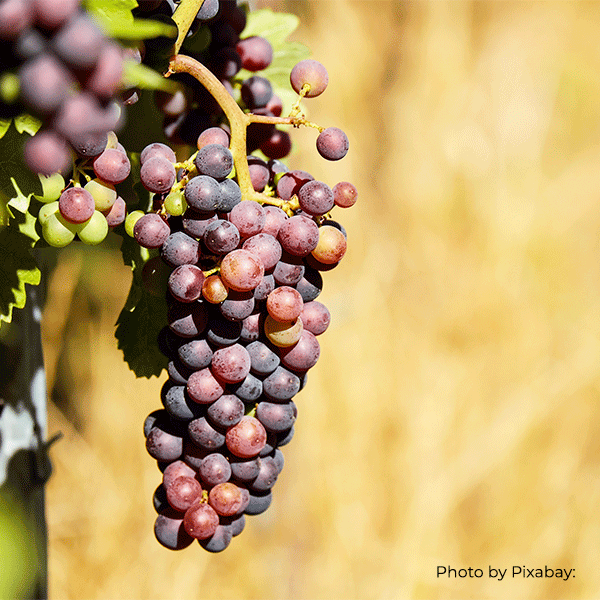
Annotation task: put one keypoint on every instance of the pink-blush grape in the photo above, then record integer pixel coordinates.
(303, 355)
(112, 166)
(183, 492)
(46, 153)
(231, 364)
(177, 469)
(226, 498)
(309, 72)
(185, 283)
(76, 205)
(116, 214)
(203, 387)
(344, 194)
(201, 521)
(299, 235)
(157, 149)
(241, 270)
(332, 143)
(247, 438)
(157, 174)
(256, 53)
(284, 304)
(151, 231)
(315, 317)
(249, 218)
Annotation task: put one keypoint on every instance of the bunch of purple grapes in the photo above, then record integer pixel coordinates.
(242, 280)
(68, 72)
(192, 110)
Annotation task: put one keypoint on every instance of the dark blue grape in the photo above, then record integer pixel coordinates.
(230, 195)
(204, 435)
(203, 194)
(259, 502)
(281, 384)
(178, 403)
(248, 390)
(219, 540)
(227, 411)
(256, 92)
(267, 475)
(276, 417)
(263, 360)
(215, 161)
(195, 354)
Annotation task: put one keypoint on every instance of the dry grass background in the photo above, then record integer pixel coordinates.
(453, 418)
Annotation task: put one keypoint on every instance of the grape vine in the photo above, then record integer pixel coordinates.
(226, 243)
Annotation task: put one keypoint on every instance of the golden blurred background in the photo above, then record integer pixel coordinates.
(453, 418)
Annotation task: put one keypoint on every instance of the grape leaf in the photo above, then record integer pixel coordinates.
(4, 125)
(141, 319)
(138, 327)
(12, 167)
(27, 124)
(141, 76)
(118, 22)
(17, 266)
(274, 26)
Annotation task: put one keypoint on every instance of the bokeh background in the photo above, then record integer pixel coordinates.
(453, 418)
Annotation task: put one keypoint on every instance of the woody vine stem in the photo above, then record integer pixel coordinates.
(239, 121)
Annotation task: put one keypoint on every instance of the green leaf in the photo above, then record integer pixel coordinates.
(141, 29)
(141, 76)
(141, 319)
(138, 327)
(20, 201)
(12, 166)
(17, 268)
(275, 26)
(27, 124)
(4, 125)
(116, 19)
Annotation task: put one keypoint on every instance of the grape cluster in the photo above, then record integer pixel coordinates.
(242, 279)
(85, 212)
(64, 71)
(191, 110)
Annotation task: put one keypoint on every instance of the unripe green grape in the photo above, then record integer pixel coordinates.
(104, 194)
(175, 203)
(52, 187)
(113, 141)
(131, 219)
(57, 231)
(94, 230)
(47, 211)
(283, 334)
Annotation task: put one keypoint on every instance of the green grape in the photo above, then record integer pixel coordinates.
(52, 187)
(104, 194)
(131, 220)
(57, 231)
(47, 211)
(175, 203)
(113, 141)
(94, 230)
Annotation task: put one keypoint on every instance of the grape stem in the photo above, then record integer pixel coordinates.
(184, 16)
(238, 122)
